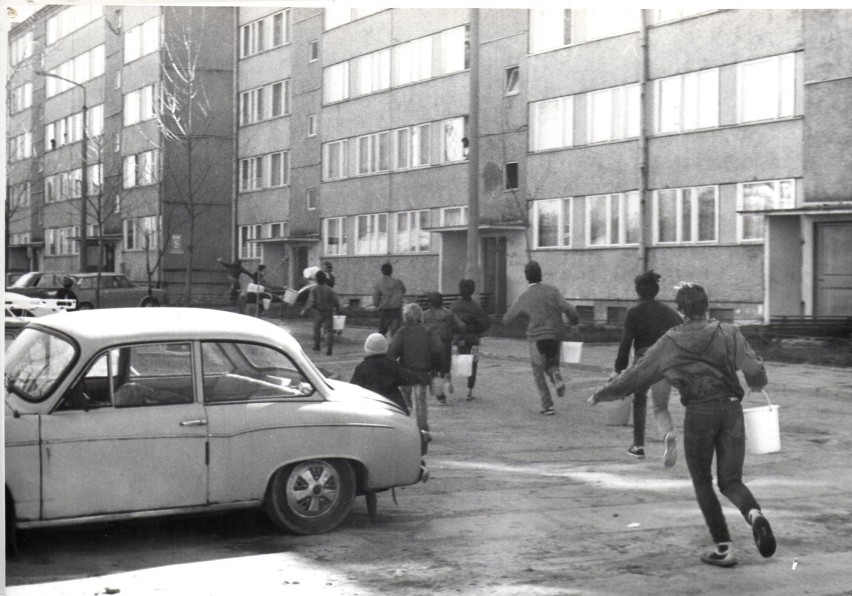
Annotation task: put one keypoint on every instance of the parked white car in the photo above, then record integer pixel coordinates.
(18, 305)
(120, 413)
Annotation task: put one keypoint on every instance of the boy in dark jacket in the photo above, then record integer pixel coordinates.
(443, 324)
(379, 373)
(324, 301)
(700, 358)
(476, 323)
(415, 348)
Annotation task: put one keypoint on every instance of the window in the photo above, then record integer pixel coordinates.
(251, 106)
(311, 199)
(410, 231)
(510, 176)
(766, 88)
(277, 229)
(117, 84)
(116, 142)
(555, 28)
(280, 98)
(249, 249)
(58, 243)
(140, 105)
(761, 196)
(552, 123)
(142, 233)
(20, 147)
(686, 215)
(612, 220)
(71, 19)
(80, 69)
(142, 40)
(421, 143)
(334, 240)
(613, 114)
(412, 61)
(312, 125)
(141, 169)
(372, 153)
(511, 80)
(453, 216)
(336, 16)
(21, 48)
(279, 168)
(552, 221)
(251, 173)
(264, 34)
(688, 102)
(671, 13)
(70, 129)
(334, 160)
(454, 50)
(19, 198)
(21, 98)
(453, 139)
(373, 72)
(371, 234)
(241, 372)
(335, 82)
(313, 50)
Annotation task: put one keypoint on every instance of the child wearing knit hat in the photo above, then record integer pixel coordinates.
(379, 373)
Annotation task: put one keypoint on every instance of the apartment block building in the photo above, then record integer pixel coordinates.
(141, 98)
(712, 146)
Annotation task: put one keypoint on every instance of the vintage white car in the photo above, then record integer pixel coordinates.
(120, 413)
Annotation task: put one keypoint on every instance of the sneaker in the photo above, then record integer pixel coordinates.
(469, 395)
(637, 452)
(762, 531)
(722, 556)
(559, 384)
(548, 411)
(670, 456)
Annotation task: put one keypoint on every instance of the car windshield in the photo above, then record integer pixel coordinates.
(25, 281)
(35, 362)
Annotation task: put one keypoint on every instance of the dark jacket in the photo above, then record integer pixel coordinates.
(388, 293)
(323, 299)
(416, 349)
(475, 319)
(442, 323)
(644, 324)
(384, 375)
(543, 305)
(699, 358)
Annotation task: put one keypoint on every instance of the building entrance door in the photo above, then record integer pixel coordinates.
(833, 269)
(494, 273)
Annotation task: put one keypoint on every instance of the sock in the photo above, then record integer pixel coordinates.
(723, 547)
(752, 514)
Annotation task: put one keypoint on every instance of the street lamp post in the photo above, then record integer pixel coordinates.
(84, 191)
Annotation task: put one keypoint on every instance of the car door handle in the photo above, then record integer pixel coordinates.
(201, 422)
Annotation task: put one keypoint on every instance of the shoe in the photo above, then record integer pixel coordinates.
(316, 348)
(670, 456)
(328, 351)
(469, 395)
(559, 384)
(637, 452)
(762, 531)
(548, 411)
(722, 556)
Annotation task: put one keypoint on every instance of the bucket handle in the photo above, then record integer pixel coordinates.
(763, 391)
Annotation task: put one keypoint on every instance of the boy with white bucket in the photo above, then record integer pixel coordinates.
(700, 358)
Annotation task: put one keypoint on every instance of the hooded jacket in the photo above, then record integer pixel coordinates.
(699, 358)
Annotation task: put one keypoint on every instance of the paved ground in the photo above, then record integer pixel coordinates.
(518, 504)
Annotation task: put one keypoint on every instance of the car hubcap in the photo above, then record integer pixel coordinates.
(313, 489)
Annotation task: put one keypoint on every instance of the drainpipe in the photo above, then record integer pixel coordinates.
(643, 145)
(235, 249)
(472, 265)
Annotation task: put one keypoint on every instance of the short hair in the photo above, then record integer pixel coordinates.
(647, 284)
(532, 271)
(412, 312)
(466, 288)
(320, 277)
(387, 269)
(327, 265)
(261, 267)
(691, 300)
(436, 300)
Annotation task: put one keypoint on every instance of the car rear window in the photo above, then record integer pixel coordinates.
(36, 362)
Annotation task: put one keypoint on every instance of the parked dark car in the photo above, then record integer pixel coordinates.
(116, 289)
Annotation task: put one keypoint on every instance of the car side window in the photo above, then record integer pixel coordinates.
(235, 372)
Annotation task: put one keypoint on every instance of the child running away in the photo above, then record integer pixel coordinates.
(700, 358)
(444, 325)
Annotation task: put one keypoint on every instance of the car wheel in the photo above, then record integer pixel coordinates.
(85, 306)
(311, 497)
(150, 302)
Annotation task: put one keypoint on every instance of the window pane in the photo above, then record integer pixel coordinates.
(708, 98)
(548, 223)
(707, 214)
(760, 90)
(402, 149)
(382, 150)
(364, 155)
(548, 124)
(597, 221)
(632, 216)
(614, 218)
(670, 105)
(666, 216)
(752, 227)
(600, 119)
(686, 215)
(452, 134)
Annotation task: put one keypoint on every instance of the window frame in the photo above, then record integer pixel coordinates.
(342, 247)
(781, 111)
(415, 233)
(621, 219)
(561, 202)
(695, 216)
(566, 114)
(777, 202)
(623, 117)
(377, 242)
(684, 107)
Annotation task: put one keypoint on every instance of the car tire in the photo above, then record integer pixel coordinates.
(149, 302)
(311, 497)
(85, 306)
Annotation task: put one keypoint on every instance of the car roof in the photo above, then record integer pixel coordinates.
(114, 325)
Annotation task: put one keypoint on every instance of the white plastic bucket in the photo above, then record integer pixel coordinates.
(762, 428)
(572, 351)
(462, 365)
(290, 296)
(618, 412)
(267, 302)
(338, 322)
